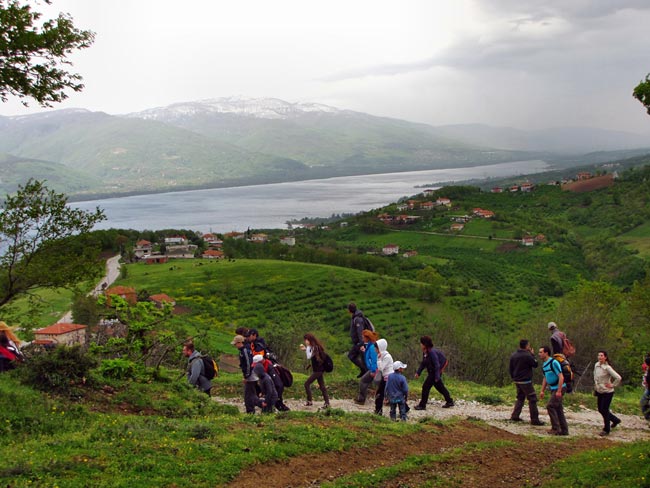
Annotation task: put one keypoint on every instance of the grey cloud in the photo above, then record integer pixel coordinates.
(566, 9)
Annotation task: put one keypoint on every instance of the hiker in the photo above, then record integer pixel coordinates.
(384, 370)
(195, 368)
(269, 395)
(397, 390)
(315, 352)
(246, 366)
(7, 356)
(357, 325)
(257, 344)
(269, 368)
(645, 398)
(605, 380)
(434, 361)
(369, 350)
(557, 338)
(554, 380)
(13, 342)
(522, 363)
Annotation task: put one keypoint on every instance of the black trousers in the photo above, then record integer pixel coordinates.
(604, 401)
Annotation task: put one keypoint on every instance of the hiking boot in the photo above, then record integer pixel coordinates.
(603, 433)
(537, 422)
(552, 432)
(359, 402)
(308, 403)
(615, 423)
(420, 407)
(516, 419)
(449, 405)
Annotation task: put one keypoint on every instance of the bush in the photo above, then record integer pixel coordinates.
(61, 370)
(120, 369)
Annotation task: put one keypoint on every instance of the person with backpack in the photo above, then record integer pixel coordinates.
(434, 361)
(357, 326)
(384, 370)
(246, 366)
(317, 356)
(554, 380)
(559, 341)
(195, 368)
(269, 395)
(522, 363)
(272, 370)
(605, 380)
(370, 351)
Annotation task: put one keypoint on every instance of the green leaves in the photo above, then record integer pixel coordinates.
(642, 93)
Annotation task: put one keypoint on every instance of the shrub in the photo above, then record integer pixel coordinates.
(61, 369)
(117, 368)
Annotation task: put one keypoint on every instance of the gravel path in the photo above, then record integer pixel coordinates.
(583, 422)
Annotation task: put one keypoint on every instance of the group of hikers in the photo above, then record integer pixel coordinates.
(264, 386)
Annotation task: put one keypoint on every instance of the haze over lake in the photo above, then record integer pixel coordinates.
(271, 206)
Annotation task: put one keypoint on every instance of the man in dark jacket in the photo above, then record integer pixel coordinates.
(522, 363)
(250, 378)
(431, 360)
(557, 338)
(357, 324)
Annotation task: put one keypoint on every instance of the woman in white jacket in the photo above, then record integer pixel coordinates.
(384, 368)
(605, 380)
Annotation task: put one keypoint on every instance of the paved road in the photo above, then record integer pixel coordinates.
(112, 272)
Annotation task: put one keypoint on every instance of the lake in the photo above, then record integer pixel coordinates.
(271, 206)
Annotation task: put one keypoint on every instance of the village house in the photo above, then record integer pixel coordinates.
(411, 204)
(212, 240)
(497, 189)
(213, 254)
(259, 238)
(125, 292)
(540, 238)
(61, 334)
(514, 188)
(527, 241)
(390, 249)
(143, 248)
(443, 201)
(159, 299)
(526, 187)
(406, 219)
(583, 176)
(288, 240)
(385, 218)
(427, 205)
(457, 227)
(402, 206)
(485, 214)
(410, 254)
(175, 240)
(343, 224)
(186, 251)
(156, 259)
(234, 235)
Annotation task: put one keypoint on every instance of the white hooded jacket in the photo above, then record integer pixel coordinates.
(385, 360)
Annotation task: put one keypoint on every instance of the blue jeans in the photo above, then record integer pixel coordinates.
(402, 410)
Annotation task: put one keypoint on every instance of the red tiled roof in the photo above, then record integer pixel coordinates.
(61, 328)
(161, 297)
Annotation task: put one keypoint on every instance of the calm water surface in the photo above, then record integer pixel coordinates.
(271, 206)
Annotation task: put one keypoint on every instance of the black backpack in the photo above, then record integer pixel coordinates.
(567, 371)
(285, 374)
(367, 324)
(210, 368)
(328, 364)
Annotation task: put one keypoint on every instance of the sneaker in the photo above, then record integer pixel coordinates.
(360, 402)
(615, 423)
(603, 433)
(538, 422)
(517, 419)
(420, 407)
(308, 404)
(449, 405)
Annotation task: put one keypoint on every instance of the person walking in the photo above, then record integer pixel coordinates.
(315, 352)
(269, 394)
(384, 370)
(357, 326)
(605, 380)
(645, 398)
(434, 361)
(557, 339)
(195, 368)
(554, 380)
(397, 390)
(246, 366)
(522, 363)
(369, 350)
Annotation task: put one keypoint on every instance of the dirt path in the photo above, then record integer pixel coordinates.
(518, 462)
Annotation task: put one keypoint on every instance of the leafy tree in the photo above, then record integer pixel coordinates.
(642, 93)
(43, 242)
(33, 58)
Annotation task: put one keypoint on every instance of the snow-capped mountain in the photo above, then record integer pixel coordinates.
(260, 108)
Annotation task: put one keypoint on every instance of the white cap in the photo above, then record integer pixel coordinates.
(398, 365)
(552, 325)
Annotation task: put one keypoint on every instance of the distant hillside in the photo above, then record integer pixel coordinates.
(561, 140)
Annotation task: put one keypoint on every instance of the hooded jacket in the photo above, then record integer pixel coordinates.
(385, 360)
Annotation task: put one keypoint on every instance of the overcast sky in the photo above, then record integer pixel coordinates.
(519, 63)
